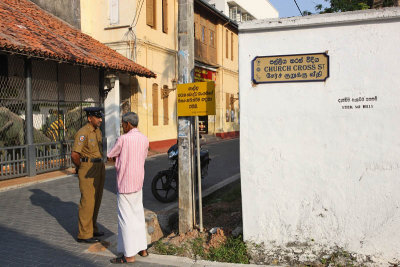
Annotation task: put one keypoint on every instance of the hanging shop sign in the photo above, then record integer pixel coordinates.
(203, 75)
(196, 99)
(291, 68)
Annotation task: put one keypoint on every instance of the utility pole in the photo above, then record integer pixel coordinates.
(185, 124)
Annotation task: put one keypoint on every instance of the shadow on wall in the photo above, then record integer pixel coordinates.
(173, 65)
(112, 125)
(66, 213)
(164, 115)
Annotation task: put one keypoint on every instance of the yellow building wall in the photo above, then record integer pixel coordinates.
(227, 81)
(155, 50)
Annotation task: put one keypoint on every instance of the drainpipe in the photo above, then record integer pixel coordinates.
(30, 153)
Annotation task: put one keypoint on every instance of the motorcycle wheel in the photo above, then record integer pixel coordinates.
(165, 186)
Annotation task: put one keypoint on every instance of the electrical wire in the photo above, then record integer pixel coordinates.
(136, 11)
(140, 10)
(130, 35)
(301, 13)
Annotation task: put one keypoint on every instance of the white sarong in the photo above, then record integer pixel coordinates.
(131, 224)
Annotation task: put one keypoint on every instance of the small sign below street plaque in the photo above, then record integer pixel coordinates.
(291, 68)
(196, 99)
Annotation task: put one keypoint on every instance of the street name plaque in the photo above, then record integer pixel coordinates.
(196, 99)
(290, 68)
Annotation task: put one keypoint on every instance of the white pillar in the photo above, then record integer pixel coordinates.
(112, 111)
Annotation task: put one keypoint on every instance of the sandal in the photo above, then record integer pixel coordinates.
(121, 260)
(141, 253)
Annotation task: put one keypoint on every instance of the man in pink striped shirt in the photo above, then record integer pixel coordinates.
(130, 152)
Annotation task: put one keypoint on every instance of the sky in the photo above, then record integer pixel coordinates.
(288, 8)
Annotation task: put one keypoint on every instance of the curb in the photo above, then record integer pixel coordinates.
(164, 260)
(26, 184)
(186, 262)
(208, 191)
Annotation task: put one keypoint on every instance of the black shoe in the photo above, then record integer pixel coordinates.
(88, 240)
(98, 234)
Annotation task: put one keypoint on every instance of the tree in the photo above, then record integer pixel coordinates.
(351, 5)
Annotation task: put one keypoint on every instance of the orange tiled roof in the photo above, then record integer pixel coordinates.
(27, 29)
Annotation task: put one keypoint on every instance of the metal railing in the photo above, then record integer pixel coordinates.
(49, 157)
(53, 156)
(13, 162)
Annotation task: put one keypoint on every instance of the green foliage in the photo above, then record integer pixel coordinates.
(351, 5)
(198, 248)
(345, 5)
(234, 251)
(167, 249)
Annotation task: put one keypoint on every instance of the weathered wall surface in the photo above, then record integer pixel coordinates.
(67, 10)
(313, 170)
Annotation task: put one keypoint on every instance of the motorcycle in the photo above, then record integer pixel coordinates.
(164, 185)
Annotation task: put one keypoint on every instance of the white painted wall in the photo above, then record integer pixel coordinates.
(310, 170)
(220, 5)
(260, 9)
(112, 119)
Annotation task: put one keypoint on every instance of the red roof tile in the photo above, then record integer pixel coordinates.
(27, 29)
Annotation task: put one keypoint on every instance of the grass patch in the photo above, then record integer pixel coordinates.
(198, 247)
(168, 249)
(234, 251)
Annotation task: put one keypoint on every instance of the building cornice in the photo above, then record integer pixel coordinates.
(217, 13)
(144, 42)
(322, 20)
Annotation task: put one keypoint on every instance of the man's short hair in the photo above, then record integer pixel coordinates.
(132, 118)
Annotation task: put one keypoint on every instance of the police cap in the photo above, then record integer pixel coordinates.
(94, 111)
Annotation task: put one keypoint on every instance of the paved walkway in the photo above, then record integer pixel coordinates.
(38, 225)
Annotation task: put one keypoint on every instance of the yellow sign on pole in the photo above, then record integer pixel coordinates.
(196, 99)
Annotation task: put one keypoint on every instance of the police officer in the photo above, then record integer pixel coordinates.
(87, 155)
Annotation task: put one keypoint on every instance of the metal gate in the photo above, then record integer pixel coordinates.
(57, 96)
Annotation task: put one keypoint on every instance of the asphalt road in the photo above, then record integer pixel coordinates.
(224, 163)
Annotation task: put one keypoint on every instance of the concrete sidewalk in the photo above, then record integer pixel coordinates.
(38, 224)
